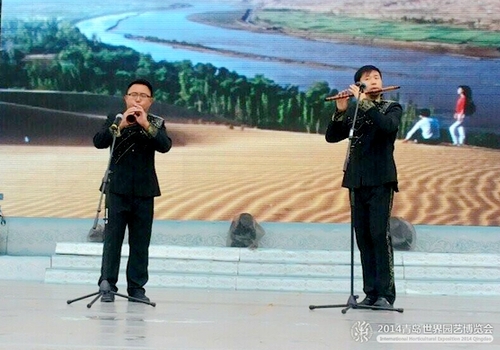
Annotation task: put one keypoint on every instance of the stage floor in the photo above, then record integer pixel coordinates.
(36, 315)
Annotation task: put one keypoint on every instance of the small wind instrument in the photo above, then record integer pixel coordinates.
(347, 93)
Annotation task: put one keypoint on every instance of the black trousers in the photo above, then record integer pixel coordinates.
(136, 213)
(371, 212)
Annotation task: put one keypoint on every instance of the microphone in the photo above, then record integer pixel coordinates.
(117, 122)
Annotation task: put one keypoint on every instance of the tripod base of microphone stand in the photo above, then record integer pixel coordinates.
(353, 304)
(105, 288)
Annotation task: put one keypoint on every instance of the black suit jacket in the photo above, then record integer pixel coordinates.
(371, 155)
(132, 168)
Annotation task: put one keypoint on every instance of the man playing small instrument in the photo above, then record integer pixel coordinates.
(371, 177)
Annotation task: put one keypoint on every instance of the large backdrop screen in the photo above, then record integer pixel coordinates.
(242, 87)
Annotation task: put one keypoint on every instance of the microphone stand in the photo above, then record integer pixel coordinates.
(104, 286)
(97, 234)
(352, 300)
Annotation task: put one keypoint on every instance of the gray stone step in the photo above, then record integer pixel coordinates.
(339, 269)
(283, 270)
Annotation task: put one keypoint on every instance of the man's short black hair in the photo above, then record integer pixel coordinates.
(425, 112)
(365, 69)
(141, 82)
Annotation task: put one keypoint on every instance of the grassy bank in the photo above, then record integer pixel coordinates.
(435, 37)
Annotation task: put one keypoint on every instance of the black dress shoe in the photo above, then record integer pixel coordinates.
(383, 303)
(107, 297)
(139, 295)
(368, 301)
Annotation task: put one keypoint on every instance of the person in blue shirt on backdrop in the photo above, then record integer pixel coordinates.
(426, 130)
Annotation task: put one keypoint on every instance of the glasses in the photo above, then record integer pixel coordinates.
(142, 96)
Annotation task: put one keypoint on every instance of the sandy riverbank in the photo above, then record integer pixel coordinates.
(233, 20)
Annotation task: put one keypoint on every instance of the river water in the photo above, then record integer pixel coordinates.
(430, 80)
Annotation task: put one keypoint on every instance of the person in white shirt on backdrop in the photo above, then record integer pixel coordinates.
(426, 130)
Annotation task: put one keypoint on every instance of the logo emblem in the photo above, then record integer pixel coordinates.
(361, 331)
